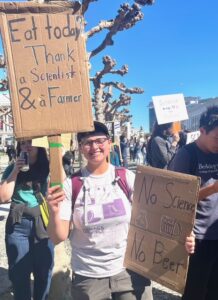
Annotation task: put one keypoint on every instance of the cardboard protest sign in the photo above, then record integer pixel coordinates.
(117, 129)
(163, 215)
(114, 129)
(170, 108)
(110, 127)
(48, 71)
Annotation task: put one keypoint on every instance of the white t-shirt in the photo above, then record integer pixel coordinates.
(101, 220)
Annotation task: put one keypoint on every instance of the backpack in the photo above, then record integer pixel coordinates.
(120, 178)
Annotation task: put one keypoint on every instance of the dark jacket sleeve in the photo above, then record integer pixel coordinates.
(162, 152)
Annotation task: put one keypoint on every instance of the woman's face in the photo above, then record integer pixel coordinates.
(96, 149)
(26, 146)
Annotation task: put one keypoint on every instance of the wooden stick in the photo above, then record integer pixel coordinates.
(56, 166)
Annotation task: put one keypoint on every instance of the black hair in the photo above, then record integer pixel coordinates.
(209, 119)
(182, 138)
(67, 157)
(160, 130)
(99, 128)
(38, 171)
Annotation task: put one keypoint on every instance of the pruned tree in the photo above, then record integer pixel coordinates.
(123, 116)
(105, 107)
(127, 17)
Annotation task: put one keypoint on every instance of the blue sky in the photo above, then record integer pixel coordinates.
(174, 49)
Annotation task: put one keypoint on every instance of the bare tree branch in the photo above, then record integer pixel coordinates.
(127, 17)
(75, 5)
(123, 100)
(85, 5)
(145, 2)
(123, 118)
(121, 86)
(5, 111)
(108, 63)
(104, 109)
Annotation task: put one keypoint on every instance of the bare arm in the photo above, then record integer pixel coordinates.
(208, 190)
(58, 230)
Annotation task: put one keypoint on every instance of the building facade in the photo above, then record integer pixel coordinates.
(194, 112)
(6, 121)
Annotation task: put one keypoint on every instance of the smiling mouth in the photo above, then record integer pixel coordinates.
(95, 153)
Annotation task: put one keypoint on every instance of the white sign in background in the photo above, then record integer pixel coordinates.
(117, 128)
(170, 108)
(192, 136)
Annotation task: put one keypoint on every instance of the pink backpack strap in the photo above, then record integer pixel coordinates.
(121, 173)
(77, 184)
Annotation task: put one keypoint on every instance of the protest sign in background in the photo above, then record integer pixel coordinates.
(192, 136)
(170, 108)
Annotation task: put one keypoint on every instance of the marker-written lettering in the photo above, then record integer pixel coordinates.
(165, 262)
(137, 252)
(176, 201)
(19, 31)
(147, 193)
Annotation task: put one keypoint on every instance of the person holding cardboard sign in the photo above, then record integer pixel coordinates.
(200, 158)
(28, 247)
(100, 214)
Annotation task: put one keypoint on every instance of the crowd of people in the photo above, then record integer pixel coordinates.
(136, 149)
(93, 210)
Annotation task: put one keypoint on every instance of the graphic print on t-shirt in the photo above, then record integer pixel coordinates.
(101, 202)
(104, 211)
(113, 209)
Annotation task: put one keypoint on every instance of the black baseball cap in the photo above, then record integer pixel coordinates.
(99, 128)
